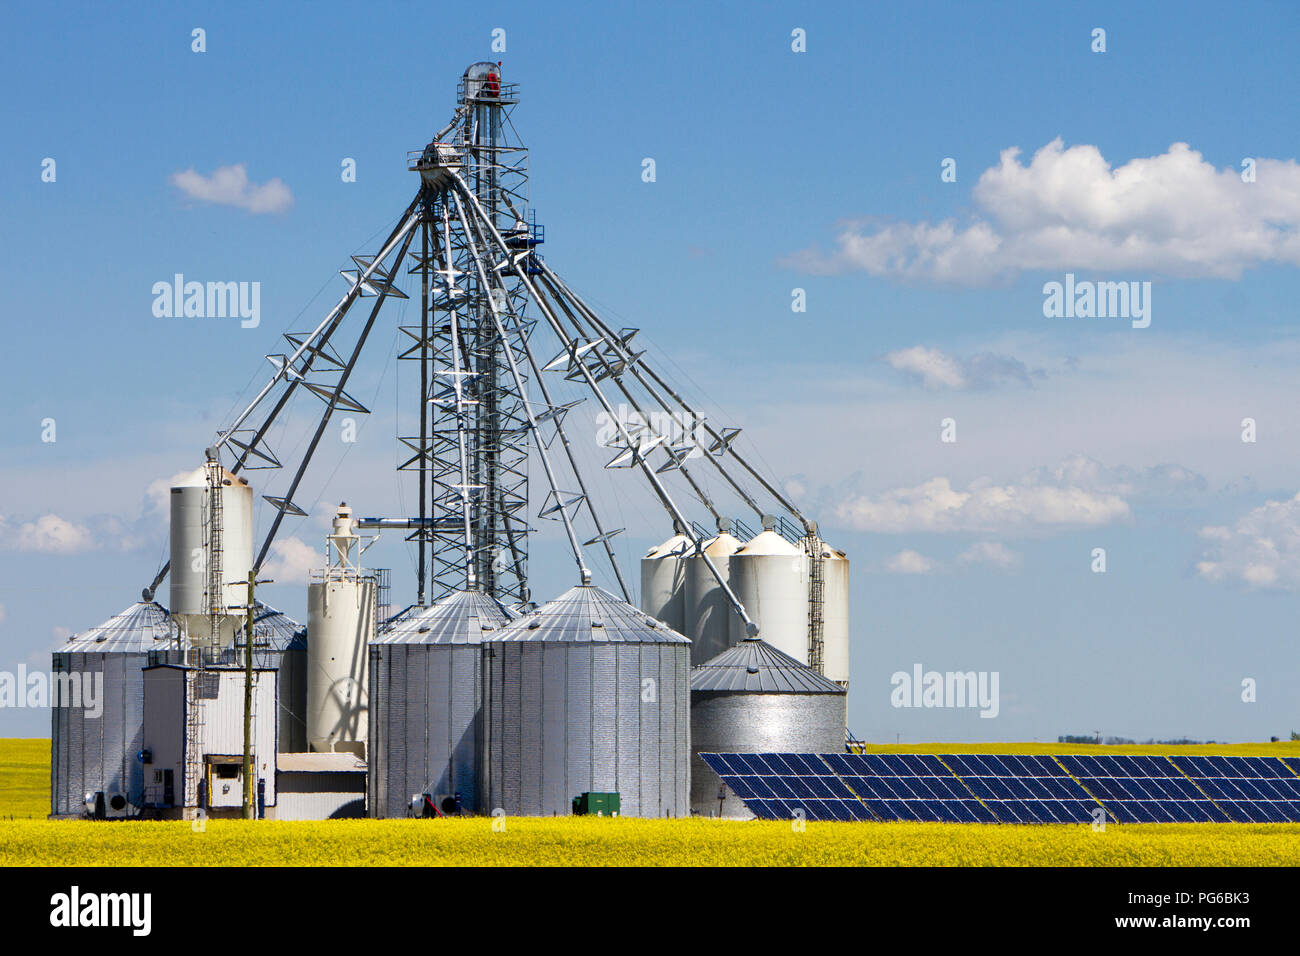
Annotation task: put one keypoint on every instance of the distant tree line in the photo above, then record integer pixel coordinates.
(1112, 741)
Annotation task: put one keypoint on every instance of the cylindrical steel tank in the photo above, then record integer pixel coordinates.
(835, 615)
(663, 582)
(752, 698)
(586, 694)
(426, 726)
(340, 625)
(709, 617)
(770, 577)
(95, 737)
(191, 545)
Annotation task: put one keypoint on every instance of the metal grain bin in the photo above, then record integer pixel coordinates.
(425, 684)
(89, 754)
(586, 694)
(752, 698)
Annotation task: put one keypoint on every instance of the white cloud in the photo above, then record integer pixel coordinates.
(291, 559)
(1172, 214)
(3, 614)
(158, 493)
(230, 186)
(48, 534)
(1262, 550)
(985, 507)
(937, 369)
(910, 562)
(934, 368)
(993, 553)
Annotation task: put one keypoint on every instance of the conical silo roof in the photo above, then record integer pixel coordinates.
(678, 546)
(463, 617)
(142, 627)
(284, 633)
(588, 614)
(755, 665)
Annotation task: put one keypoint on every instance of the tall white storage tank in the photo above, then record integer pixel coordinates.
(191, 543)
(709, 616)
(770, 577)
(835, 615)
(340, 626)
(663, 582)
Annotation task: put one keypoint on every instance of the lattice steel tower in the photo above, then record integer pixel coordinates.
(471, 452)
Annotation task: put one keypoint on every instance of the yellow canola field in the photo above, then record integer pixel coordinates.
(627, 842)
(24, 792)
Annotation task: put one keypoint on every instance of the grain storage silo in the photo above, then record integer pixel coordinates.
(340, 626)
(95, 738)
(835, 615)
(663, 581)
(708, 614)
(752, 698)
(586, 694)
(101, 754)
(426, 727)
(192, 557)
(770, 577)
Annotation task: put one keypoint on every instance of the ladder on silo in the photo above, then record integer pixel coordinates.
(816, 602)
(193, 734)
(216, 611)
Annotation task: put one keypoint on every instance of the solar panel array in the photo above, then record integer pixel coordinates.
(987, 788)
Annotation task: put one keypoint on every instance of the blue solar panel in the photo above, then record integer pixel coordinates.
(1022, 788)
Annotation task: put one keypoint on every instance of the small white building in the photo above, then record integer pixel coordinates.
(315, 786)
(186, 709)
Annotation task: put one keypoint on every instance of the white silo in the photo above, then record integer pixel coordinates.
(770, 577)
(663, 581)
(708, 614)
(835, 615)
(192, 558)
(340, 625)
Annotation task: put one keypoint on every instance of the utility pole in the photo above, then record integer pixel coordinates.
(249, 812)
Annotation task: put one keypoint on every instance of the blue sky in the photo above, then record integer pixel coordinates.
(775, 170)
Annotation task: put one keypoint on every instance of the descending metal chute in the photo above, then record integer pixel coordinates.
(561, 501)
(560, 332)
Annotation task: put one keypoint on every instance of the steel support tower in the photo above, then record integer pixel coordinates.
(471, 450)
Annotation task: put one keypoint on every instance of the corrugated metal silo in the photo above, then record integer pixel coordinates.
(752, 698)
(92, 754)
(426, 725)
(709, 616)
(89, 754)
(586, 693)
(663, 582)
(770, 577)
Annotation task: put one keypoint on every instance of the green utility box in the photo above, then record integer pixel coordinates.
(596, 804)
